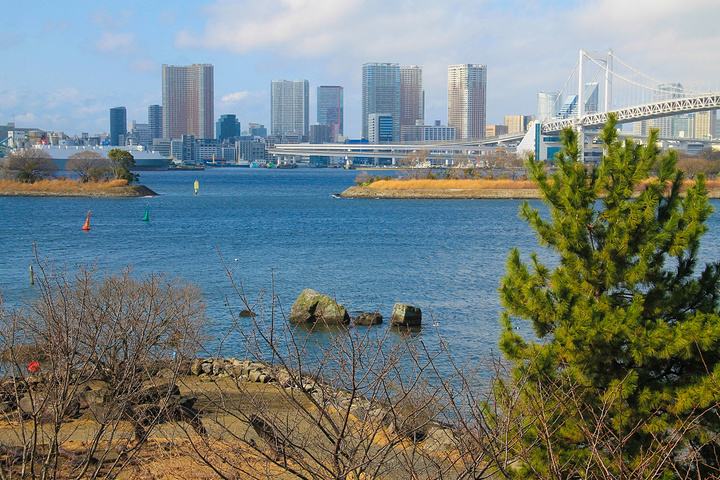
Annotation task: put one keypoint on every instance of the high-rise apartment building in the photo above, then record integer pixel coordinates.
(139, 134)
(412, 96)
(427, 133)
(380, 128)
(330, 108)
(467, 90)
(227, 127)
(188, 100)
(155, 121)
(289, 112)
(547, 105)
(118, 126)
(517, 123)
(495, 130)
(381, 94)
(257, 130)
(705, 124)
(666, 125)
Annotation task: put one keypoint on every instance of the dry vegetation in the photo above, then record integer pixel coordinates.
(451, 184)
(68, 187)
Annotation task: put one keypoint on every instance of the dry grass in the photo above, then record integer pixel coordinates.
(452, 184)
(487, 184)
(60, 186)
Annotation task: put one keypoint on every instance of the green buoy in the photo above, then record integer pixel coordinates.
(146, 217)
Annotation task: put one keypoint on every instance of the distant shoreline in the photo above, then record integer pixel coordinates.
(73, 188)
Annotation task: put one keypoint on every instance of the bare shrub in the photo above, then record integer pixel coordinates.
(362, 403)
(29, 165)
(90, 397)
(90, 166)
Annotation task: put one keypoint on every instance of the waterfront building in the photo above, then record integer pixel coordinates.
(517, 123)
(155, 121)
(569, 108)
(161, 146)
(289, 112)
(495, 130)
(257, 130)
(118, 125)
(381, 95)
(666, 125)
(547, 105)
(251, 149)
(381, 128)
(184, 149)
(467, 91)
(321, 134)
(227, 127)
(188, 100)
(427, 133)
(641, 128)
(412, 96)
(330, 108)
(139, 135)
(207, 150)
(705, 124)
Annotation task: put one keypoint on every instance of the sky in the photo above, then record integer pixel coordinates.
(65, 63)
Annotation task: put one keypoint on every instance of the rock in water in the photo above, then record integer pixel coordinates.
(404, 315)
(311, 306)
(368, 318)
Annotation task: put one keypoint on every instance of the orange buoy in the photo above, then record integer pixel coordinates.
(86, 225)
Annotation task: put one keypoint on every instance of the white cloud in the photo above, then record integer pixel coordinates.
(144, 65)
(235, 97)
(528, 46)
(111, 42)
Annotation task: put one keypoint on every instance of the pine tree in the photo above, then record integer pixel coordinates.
(623, 379)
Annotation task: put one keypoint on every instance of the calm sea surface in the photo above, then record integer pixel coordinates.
(446, 256)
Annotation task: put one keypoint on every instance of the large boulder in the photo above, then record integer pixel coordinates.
(404, 315)
(368, 318)
(311, 307)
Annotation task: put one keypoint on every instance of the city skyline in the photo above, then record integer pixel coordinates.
(126, 44)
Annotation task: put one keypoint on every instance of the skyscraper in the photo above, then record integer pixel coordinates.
(188, 93)
(118, 126)
(330, 108)
(227, 127)
(155, 120)
(467, 89)
(665, 125)
(547, 105)
(381, 94)
(289, 113)
(412, 97)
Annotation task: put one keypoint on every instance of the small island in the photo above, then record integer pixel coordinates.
(429, 186)
(31, 172)
(443, 189)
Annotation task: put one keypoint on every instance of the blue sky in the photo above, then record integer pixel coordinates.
(65, 63)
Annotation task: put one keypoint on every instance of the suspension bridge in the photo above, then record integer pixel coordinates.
(600, 84)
